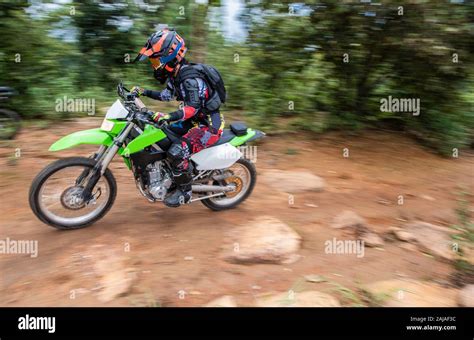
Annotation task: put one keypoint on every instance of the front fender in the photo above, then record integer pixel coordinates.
(92, 136)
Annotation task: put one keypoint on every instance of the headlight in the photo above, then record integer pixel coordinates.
(107, 125)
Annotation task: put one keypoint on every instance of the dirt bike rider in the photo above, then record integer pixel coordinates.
(199, 122)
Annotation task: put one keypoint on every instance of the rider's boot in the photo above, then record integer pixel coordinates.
(182, 194)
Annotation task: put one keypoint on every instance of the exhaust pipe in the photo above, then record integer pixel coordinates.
(221, 177)
(212, 188)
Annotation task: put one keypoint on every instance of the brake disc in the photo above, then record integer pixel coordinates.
(71, 198)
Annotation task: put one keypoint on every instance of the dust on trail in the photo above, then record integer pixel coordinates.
(176, 254)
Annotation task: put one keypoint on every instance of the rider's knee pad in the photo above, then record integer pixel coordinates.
(177, 153)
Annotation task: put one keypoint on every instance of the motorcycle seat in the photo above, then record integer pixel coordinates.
(227, 136)
(236, 129)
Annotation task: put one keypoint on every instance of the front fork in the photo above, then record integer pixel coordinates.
(97, 156)
(103, 157)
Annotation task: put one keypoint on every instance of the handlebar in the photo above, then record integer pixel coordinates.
(141, 114)
(145, 118)
(126, 95)
(121, 90)
(138, 102)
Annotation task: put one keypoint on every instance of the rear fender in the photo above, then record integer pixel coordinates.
(250, 136)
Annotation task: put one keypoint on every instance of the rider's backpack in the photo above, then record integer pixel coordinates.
(212, 77)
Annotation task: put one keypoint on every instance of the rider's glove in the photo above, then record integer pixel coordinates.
(159, 116)
(139, 91)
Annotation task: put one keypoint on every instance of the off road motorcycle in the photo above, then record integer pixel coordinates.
(75, 192)
(10, 121)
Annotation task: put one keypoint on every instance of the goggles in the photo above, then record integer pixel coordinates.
(156, 63)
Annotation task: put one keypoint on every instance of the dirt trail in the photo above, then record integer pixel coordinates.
(176, 253)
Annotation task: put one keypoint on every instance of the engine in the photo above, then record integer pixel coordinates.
(159, 180)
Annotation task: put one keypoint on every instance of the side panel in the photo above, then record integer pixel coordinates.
(119, 125)
(216, 157)
(92, 136)
(150, 136)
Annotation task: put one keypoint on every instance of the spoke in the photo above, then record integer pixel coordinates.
(53, 204)
(60, 196)
(52, 196)
(242, 173)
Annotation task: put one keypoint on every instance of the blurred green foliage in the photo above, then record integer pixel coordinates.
(304, 65)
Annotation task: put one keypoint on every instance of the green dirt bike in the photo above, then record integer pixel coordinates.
(75, 192)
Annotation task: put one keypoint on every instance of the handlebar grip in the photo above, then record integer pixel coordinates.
(162, 122)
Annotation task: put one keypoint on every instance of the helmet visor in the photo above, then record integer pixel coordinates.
(143, 54)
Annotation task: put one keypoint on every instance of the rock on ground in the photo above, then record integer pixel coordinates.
(409, 246)
(265, 239)
(115, 284)
(298, 299)
(314, 278)
(223, 301)
(371, 239)
(348, 219)
(115, 278)
(402, 235)
(358, 225)
(465, 296)
(293, 181)
(411, 293)
(435, 240)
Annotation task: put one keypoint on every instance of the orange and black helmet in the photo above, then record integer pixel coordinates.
(165, 49)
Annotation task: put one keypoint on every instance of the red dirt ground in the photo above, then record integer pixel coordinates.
(380, 167)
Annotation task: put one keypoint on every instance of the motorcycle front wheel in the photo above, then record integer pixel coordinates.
(56, 194)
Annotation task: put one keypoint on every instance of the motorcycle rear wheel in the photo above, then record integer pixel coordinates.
(244, 187)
